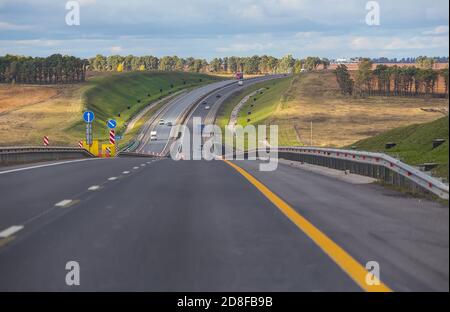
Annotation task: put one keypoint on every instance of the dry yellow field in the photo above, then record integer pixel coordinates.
(338, 120)
(34, 111)
(16, 96)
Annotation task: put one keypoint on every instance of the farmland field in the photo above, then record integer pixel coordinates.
(27, 113)
(337, 120)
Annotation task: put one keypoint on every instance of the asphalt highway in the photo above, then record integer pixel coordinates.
(149, 224)
(172, 112)
(176, 108)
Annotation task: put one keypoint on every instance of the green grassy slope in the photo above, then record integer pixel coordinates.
(414, 144)
(111, 95)
(264, 105)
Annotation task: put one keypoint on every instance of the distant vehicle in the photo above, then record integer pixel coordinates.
(153, 136)
(204, 102)
(241, 82)
(169, 123)
(218, 95)
(239, 76)
(161, 122)
(207, 107)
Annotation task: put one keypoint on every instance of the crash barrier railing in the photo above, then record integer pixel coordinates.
(377, 165)
(136, 154)
(18, 155)
(130, 147)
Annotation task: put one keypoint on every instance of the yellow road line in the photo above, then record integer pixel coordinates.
(346, 262)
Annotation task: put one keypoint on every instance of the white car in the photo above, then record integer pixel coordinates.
(207, 107)
(161, 122)
(153, 136)
(169, 123)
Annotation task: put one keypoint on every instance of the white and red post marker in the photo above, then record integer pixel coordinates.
(46, 141)
(80, 144)
(112, 136)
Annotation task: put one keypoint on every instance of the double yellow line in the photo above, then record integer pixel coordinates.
(346, 262)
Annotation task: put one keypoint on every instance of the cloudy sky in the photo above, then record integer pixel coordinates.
(213, 28)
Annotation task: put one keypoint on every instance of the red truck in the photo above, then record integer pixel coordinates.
(240, 77)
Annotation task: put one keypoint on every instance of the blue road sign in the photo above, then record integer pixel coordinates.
(118, 137)
(112, 124)
(88, 116)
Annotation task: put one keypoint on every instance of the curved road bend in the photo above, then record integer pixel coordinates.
(177, 107)
(140, 224)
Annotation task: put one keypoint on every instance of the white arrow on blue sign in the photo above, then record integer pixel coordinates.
(112, 124)
(88, 116)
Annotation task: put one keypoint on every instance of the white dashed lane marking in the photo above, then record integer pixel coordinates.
(112, 178)
(10, 231)
(135, 168)
(93, 188)
(64, 203)
(126, 172)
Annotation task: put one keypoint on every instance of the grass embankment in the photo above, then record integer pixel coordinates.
(337, 120)
(261, 105)
(414, 144)
(127, 94)
(132, 132)
(58, 112)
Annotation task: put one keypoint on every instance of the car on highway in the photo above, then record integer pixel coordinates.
(162, 122)
(204, 102)
(218, 95)
(153, 136)
(207, 107)
(169, 123)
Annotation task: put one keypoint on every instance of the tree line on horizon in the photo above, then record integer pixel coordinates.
(407, 60)
(256, 64)
(54, 69)
(384, 80)
(57, 69)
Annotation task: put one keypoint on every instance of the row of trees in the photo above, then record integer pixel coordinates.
(391, 80)
(250, 65)
(68, 69)
(409, 60)
(49, 70)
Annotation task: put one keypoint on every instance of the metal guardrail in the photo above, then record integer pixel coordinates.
(376, 165)
(136, 154)
(20, 154)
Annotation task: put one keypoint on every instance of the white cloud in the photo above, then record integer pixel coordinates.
(439, 30)
(87, 2)
(398, 43)
(116, 49)
(255, 47)
(252, 12)
(11, 26)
